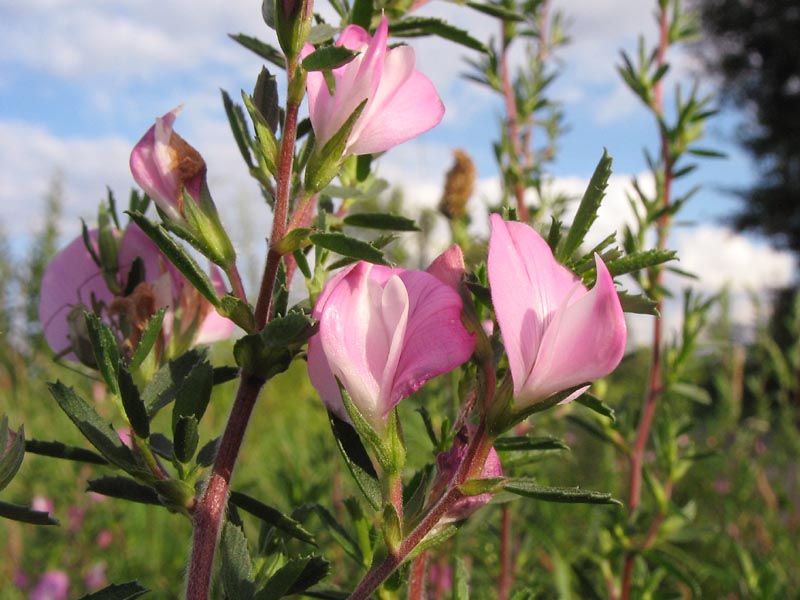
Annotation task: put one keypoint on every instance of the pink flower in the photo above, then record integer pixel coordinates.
(384, 332)
(401, 102)
(54, 585)
(163, 163)
(73, 283)
(43, 504)
(557, 334)
(95, 577)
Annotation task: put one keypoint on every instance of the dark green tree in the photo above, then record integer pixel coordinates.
(753, 46)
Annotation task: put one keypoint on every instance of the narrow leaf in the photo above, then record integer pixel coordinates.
(238, 127)
(357, 459)
(125, 488)
(149, 337)
(186, 438)
(571, 495)
(194, 393)
(527, 443)
(92, 426)
(118, 591)
(133, 405)
(328, 57)
(597, 405)
(23, 514)
(262, 49)
(106, 352)
(496, 10)
(272, 516)
(59, 450)
(381, 221)
(421, 26)
(350, 247)
(165, 384)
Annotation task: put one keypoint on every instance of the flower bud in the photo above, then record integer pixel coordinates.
(458, 187)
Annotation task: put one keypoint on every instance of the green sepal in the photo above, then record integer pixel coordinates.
(295, 576)
(236, 566)
(357, 459)
(272, 517)
(237, 310)
(381, 221)
(349, 247)
(148, 339)
(267, 142)
(93, 427)
(392, 528)
(12, 451)
(587, 209)
(25, 514)
(178, 256)
(106, 351)
(328, 57)
(571, 495)
(371, 438)
(132, 404)
(324, 163)
(208, 235)
(118, 591)
(269, 352)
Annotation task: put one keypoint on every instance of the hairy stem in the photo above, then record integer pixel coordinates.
(506, 562)
(416, 581)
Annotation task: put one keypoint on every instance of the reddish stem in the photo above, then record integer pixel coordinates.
(655, 383)
(506, 564)
(210, 510)
(513, 122)
(416, 580)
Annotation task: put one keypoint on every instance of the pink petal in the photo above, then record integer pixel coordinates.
(527, 286)
(394, 309)
(584, 342)
(214, 327)
(435, 341)
(449, 267)
(71, 279)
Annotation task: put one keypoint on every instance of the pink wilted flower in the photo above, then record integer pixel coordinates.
(163, 163)
(384, 332)
(401, 104)
(73, 283)
(53, 585)
(557, 333)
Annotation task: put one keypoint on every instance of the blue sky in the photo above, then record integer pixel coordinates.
(80, 82)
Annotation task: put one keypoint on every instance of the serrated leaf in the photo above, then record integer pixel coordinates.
(597, 405)
(638, 304)
(178, 256)
(106, 352)
(148, 339)
(262, 49)
(12, 451)
(238, 127)
(59, 450)
(268, 144)
(133, 405)
(476, 487)
(165, 384)
(118, 591)
(92, 426)
(225, 374)
(496, 10)
(328, 57)
(23, 514)
(357, 459)
(272, 517)
(571, 495)
(236, 567)
(350, 247)
(125, 488)
(186, 438)
(421, 26)
(381, 221)
(527, 443)
(639, 260)
(293, 577)
(587, 209)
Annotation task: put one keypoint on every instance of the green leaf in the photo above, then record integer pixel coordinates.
(238, 127)
(350, 247)
(265, 98)
(587, 210)
(125, 488)
(476, 487)
(106, 352)
(262, 49)
(362, 13)
(59, 450)
(186, 438)
(268, 143)
(23, 514)
(640, 260)
(328, 57)
(133, 405)
(207, 454)
(597, 405)
(381, 221)
(695, 393)
(118, 591)
(237, 310)
(324, 163)
(638, 304)
(12, 451)
(194, 393)
(178, 256)
(236, 567)
(527, 443)
(164, 385)
(461, 580)
(421, 26)
(432, 540)
(272, 517)
(149, 337)
(92, 426)
(335, 529)
(294, 577)
(495, 10)
(570, 495)
(357, 459)
(270, 352)
(225, 374)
